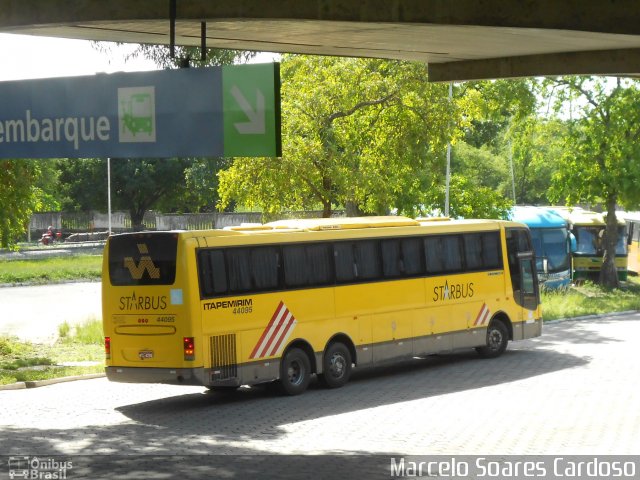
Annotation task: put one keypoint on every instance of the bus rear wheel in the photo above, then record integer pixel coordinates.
(336, 366)
(295, 372)
(497, 340)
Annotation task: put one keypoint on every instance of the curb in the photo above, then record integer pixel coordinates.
(51, 381)
(589, 317)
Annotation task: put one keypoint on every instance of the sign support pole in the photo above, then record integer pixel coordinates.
(448, 174)
(109, 192)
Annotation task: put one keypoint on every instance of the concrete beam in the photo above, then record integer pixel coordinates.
(605, 16)
(472, 38)
(600, 62)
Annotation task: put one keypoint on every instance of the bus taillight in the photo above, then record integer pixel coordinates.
(189, 348)
(107, 347)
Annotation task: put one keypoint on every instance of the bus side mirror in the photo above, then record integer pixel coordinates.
(573, 246)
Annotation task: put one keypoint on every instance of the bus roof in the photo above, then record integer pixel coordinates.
(582, 217)
(537, 217)
(344, 227)
(629, 216)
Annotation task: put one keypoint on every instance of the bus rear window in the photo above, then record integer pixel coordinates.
(143, 258)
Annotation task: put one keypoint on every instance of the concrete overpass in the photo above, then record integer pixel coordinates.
(458, 39)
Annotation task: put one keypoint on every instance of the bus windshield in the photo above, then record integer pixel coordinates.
(551, 244)
(621, 246)
(589, 240)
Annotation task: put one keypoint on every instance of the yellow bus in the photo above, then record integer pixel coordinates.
(633, 240)
(589, 229)
(296, 298)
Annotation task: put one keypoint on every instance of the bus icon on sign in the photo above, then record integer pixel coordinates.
(137, 114)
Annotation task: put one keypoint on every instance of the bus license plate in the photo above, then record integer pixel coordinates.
(145, 354)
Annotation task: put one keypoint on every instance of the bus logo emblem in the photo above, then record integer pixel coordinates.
(276, 334)
(144, 265)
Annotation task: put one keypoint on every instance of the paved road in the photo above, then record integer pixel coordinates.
(34, 313)
(571, 391)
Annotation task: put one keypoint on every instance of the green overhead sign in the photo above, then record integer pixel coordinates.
(226, 111)
(251, 104)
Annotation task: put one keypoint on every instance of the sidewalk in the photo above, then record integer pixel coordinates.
(34, 313)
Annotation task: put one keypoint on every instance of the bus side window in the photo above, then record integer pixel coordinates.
(344, 262)
(265, 262)
(432, 252)
(239, 270)
(307, 265)
(213, 274)
(452, 253)
(491, 255)
(367, 258)
(296, 273)
(392, 264)
(473, 250)
(412, 257)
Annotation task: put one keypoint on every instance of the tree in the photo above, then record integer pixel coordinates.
(364, 134)
(534, 144)
(137, 185)
(602, 160)
(468, 200)
(19, 197)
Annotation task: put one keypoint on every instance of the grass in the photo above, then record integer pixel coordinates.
(590, 299)
(52, 269)
(24, 361)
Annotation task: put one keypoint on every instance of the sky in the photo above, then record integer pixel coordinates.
(27, 57)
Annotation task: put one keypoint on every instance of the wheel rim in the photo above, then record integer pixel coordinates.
(495, 339)
(337, 365)
(295, 373)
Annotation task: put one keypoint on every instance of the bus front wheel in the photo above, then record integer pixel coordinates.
(497, 339)
(295, 372)
(336, 366)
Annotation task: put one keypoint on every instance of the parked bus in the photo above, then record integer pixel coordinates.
(289, 299)
(633, 240)
(589, 229)
(552, 243)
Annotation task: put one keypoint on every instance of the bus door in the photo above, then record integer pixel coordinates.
(524, 279)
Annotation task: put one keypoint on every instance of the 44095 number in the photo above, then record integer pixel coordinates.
(242, 310)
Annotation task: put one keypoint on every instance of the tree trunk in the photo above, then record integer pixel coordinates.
(351, 209)
(609, 272)
(326, 209)
(137, 216)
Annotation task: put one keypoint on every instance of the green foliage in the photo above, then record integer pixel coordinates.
(201, 185)
(188, 56)
(467, 200)
(359, 133)
(481, 166)
(19, 197)
(89, 332)
(137, 184)
(536, 145)
(64, 329)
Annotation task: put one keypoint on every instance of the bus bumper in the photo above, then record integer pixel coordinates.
(173, 376)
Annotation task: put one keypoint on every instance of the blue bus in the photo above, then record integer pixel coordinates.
(552, 244)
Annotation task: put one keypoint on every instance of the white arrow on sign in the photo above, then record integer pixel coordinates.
(256, 123)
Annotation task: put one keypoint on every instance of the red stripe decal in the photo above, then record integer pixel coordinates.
(264, 334)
